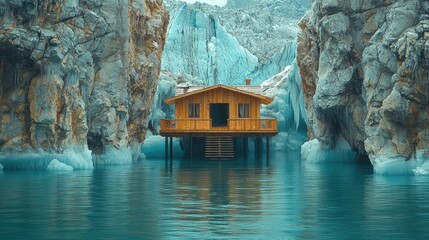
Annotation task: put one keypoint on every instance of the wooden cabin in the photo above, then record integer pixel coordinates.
(218, 110)
(219, 114)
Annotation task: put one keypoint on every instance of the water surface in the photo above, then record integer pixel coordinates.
(286, 199)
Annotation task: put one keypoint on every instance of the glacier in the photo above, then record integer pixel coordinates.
(198, 45)
(275, 65)
(287, 107)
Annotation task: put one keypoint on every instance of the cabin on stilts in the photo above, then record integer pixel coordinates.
(218, 114)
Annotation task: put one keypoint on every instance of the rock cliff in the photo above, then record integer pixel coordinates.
(78, 75)
(365, 71)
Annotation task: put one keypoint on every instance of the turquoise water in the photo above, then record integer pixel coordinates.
(286, 199)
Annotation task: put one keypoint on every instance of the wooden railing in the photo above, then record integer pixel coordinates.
(249, 124)
(186, 124)
(205, 125)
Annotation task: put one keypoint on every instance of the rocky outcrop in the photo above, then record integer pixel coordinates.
(78, 75)
(365, 71)
(290, 8)
(266, 28)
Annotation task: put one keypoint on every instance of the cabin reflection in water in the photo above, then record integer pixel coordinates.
(219, 114)
(222, 192)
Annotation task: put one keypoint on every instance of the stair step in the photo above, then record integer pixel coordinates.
(219, 147)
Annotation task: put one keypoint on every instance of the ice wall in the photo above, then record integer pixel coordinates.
(275, 65)
(199, 46)
(287, 107)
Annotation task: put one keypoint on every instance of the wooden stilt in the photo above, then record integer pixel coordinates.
(192, 148)
(258, 148)
(246, 141)
(268, 149)
(171, 149)
(166, 149)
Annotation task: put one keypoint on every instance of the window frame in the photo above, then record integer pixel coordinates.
(243, 110)
(194, 110)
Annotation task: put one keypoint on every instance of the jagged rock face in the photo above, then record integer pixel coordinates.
(365, 71)
(290, 8)
(78, 73)
(263, 27)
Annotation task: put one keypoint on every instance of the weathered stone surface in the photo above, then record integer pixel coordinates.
(78, 74)
(365, 71)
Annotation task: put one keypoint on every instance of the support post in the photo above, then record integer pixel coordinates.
(192, 148)
(246, 141)
(268, 149)
(171, 149)
(258, 148)
(166, 149)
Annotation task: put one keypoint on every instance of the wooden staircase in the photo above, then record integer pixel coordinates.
(220, 148)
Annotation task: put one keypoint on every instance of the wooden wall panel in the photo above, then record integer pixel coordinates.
(218, 96)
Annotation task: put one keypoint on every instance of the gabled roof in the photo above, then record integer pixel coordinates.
(264, 99)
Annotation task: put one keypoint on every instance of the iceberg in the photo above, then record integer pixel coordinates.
(76, 157)
(56, 165)
(390, 163)
(114, 156)
(311, 152)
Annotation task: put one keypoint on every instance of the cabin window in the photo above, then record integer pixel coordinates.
(194, 110)
(243, 110)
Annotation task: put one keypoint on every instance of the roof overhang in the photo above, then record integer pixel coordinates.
(264, 99)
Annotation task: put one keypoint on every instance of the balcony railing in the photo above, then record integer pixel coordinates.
(249, 124)
(205, 125)
(186, 124)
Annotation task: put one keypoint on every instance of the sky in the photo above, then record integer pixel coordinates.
(212, 2)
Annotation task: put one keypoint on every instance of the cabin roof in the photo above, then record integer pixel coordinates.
(247, 90)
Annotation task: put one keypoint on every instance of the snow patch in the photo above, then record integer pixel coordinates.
(56, 165)
(311, 152)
